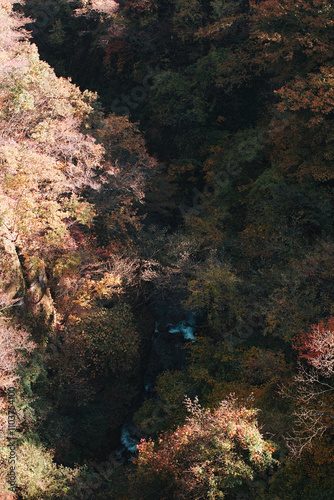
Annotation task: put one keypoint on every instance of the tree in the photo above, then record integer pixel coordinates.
(317, 347)
(59, 158)
(107, 7)
(15, 344)
(11, 33)
(46, 158)
(214, 452)
(39, 477)
(313, 390)
(216, 290)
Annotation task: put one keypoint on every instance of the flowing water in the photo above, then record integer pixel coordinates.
(129, 436)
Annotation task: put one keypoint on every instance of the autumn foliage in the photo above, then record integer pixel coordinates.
(212, 199)
(213, 452)
(317, 347)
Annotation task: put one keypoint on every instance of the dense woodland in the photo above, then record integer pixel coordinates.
(161, 160)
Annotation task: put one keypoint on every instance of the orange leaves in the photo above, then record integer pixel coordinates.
(264, 367)
(212, 452)
(49, 161)
(303, 147)
(142, 6)
(127, 167)
(291, 34)
(314, 93)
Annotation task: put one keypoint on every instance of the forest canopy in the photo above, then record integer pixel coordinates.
(166, 249)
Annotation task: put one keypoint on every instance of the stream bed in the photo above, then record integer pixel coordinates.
(166, 354)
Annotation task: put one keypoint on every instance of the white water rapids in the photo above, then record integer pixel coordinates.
(187, 328)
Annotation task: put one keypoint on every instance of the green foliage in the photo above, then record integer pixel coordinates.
(39, 477)
(214, 371)
(183, 107)
(156, 415)
(187, 17)
(215, 290)
(310, 477)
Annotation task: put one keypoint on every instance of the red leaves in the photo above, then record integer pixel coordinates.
(317, 346)
(141, 6)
